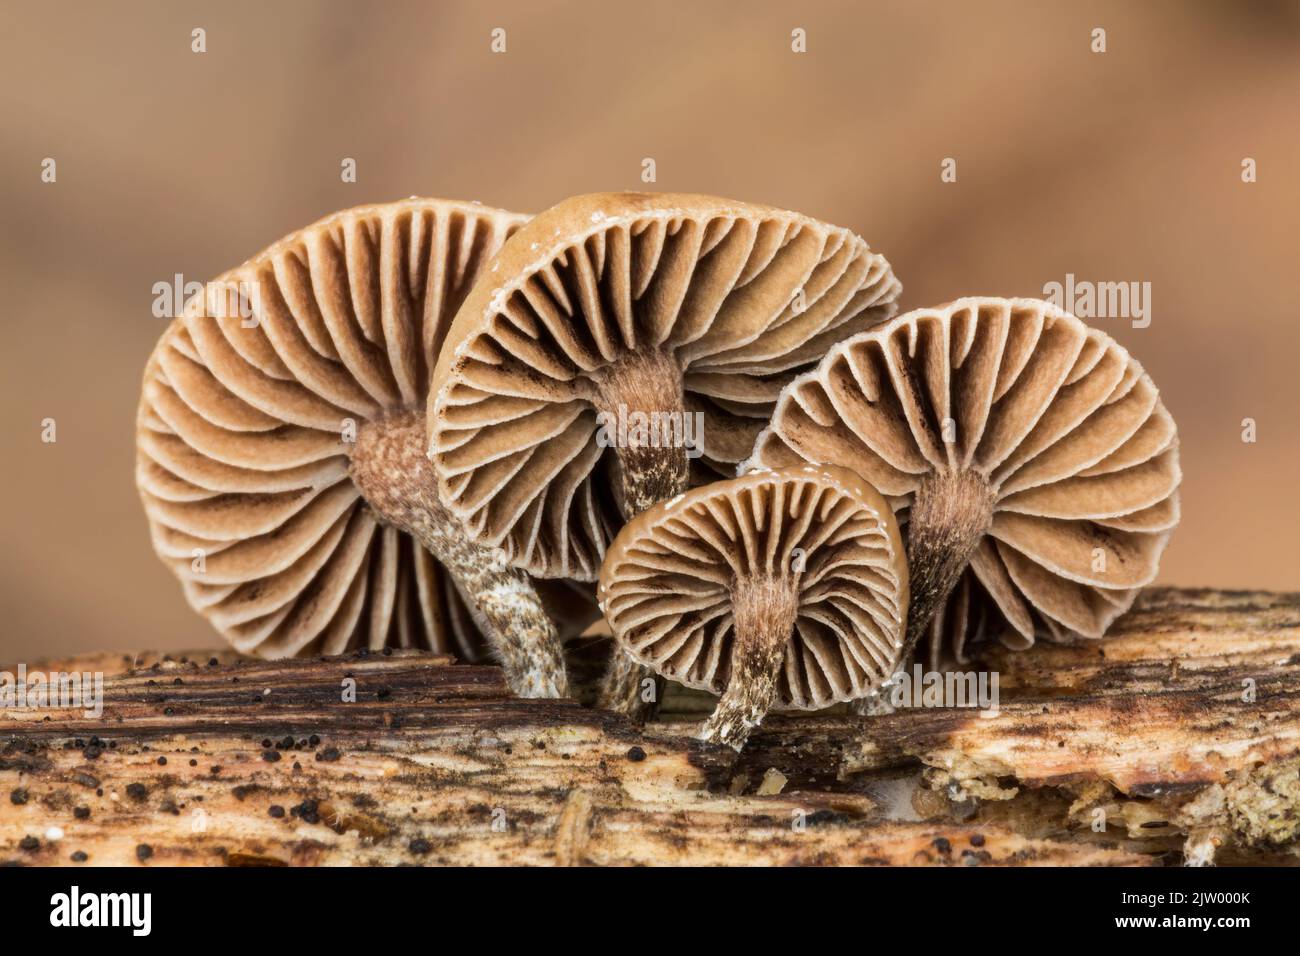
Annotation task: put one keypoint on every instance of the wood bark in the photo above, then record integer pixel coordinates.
(1176, 739)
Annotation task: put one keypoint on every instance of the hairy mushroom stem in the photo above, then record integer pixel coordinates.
(389, 466)
(951, 511)
(643, 416)
(643, 411)
(764, 608)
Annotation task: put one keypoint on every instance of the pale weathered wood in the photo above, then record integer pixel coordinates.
(436, 763)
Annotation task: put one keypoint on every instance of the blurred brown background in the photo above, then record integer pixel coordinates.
(1123, 166)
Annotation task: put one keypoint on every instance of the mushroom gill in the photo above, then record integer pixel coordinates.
(1029, 455)
(621, 347)
(784, 588)
(280, 446)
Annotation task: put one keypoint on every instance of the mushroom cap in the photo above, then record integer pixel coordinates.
(240, 451)
(710, 282)
(1062, 422)
(666, 582)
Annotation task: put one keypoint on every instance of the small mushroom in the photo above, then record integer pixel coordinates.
(1015, 442)
(784, 587)
(620, 347)
(281, 443)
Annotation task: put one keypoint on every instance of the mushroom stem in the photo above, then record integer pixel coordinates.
(389, 466)
(643, 414)
(764, 609)
(623, 685)
(951, 511)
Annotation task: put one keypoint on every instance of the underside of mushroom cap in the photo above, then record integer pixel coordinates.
(250, 402)
(1061, 423)
(670, 579)
(584, 309)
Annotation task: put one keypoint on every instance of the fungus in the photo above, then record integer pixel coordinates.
(281, 449)
(785, 587)
(1012, 440)
(621, 347)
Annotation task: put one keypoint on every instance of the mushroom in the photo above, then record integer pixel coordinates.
(281, 448)
(1015, 442)
(784, 586)
(620, 347)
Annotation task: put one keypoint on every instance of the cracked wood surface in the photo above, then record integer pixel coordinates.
(207, 759)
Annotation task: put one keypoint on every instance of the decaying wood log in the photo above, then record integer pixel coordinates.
(1184, 722)
(1178, 738)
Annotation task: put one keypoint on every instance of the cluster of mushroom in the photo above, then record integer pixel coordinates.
(439, 424)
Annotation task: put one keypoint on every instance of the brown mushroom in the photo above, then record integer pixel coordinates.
(607, 334)
(281, 448)
(1013, 440)
(782, 586)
